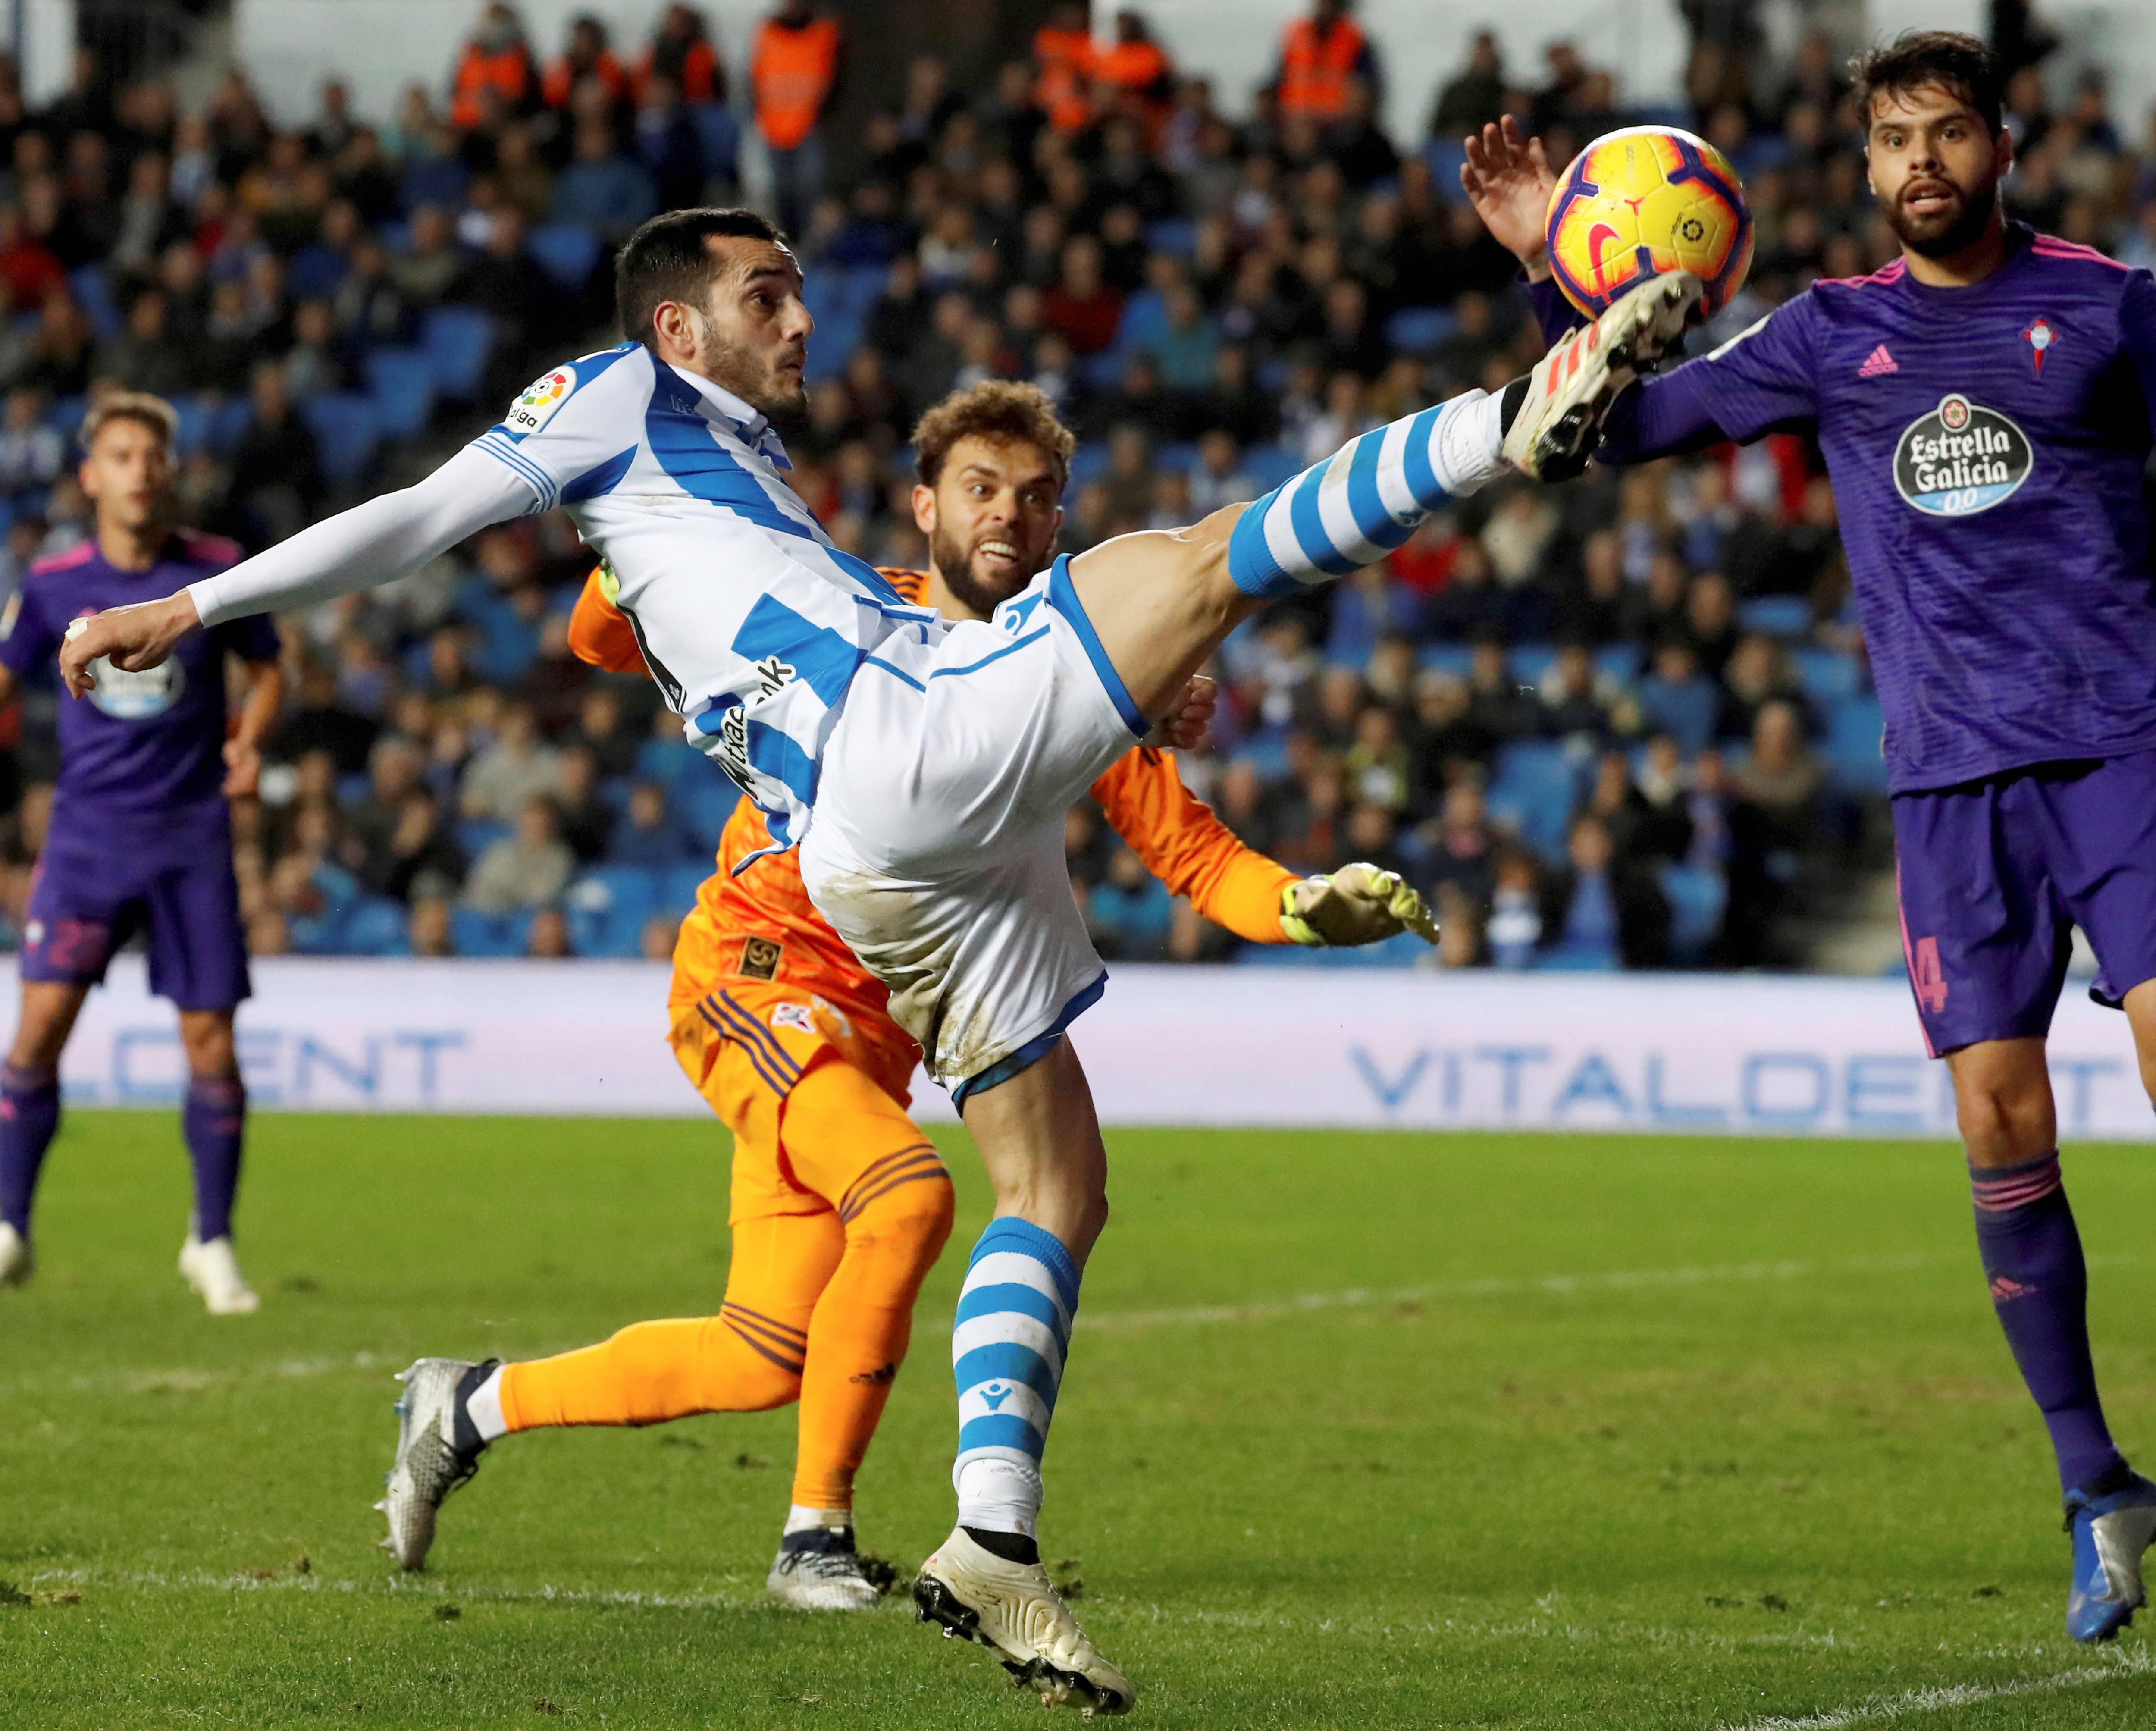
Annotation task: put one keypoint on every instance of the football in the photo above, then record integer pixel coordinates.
(1646, 200)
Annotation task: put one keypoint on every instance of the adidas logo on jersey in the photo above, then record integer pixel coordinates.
(1877, 362)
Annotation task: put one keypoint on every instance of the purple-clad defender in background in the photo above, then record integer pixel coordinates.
(140, 835)
(1986, 405)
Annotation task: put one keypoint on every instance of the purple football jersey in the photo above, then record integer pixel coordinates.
(140, 744)
(1986, 445)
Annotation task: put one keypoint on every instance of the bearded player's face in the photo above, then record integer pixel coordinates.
(752, 337)
(1935, 167)
(991, 519)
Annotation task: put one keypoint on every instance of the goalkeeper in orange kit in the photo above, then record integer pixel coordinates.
(839, 1204)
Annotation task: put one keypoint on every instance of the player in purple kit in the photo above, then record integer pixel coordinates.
(1986, 405)
(141, 837)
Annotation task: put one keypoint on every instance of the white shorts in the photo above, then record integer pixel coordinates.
(936, 850)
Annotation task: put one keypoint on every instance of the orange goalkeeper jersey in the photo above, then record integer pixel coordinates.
(761, 925)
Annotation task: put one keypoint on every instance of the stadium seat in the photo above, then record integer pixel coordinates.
(192, 432)
(92, 288)
(565, 252)
(1181, 457)
(66, 413)
(1855, 729)
(1533, 792)
(663, 760)
(703, 802)
(476, 836)
(1529, 661)
(402, 383)
(1089, 463)
(1698, 896)
(607, 909)
(228, 423)
(718, 131)
(1777, 615)
(678, 888)
(1270, 464)
(1405, 951)
(1446, 157)
(1176, 236)
(1619, 661)
(457, 341)
(1419, 330)
(345, 430)
(1828, 676)
(475, 933)
(375, 926)
(1457, 659)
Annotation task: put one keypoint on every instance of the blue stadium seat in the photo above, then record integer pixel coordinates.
(228, 423)
(703, 802)
(565, 252)
(345, 430)
(607, 909)
(1529, 661)
(402, 382)
(65, 415)
(1618, 661)
(375, 926)
(1270, 464)
(718, 131)
(92, 289)
(1445, 156)
(1181, 457)
(678, 888)
(837, 335)
(473, 933)
(1828, 676)
(1144, 322)
(1089, 463)
(1533, 793)
(1698, 896)
(1687, 712)
(1405, 951)
(663, 760)
(193, 433)
(1777, 615)
(456, 340)
(1176, 236)
(1566, 959)
(476, 836)
(1419, 330)
(1854, 731)
(1454, 658)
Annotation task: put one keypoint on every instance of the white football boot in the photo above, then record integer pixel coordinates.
(17, 1263)
(819, 1570)
(1013, 1610)
(1572, 387)
(428, 1465)
(213, 1271)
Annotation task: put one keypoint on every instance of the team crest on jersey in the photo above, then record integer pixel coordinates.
(532, 410)
(796, 1016)
(2040, 337)
(761, 956)
(1960, 458)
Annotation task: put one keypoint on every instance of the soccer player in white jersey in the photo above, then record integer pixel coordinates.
(921, 767)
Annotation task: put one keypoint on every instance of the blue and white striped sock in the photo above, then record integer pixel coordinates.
(1007, 1350)
(1357, 506)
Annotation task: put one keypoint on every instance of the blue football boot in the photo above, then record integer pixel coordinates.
(2110, 1533)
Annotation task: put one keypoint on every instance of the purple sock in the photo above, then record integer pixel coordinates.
(214, 1119)
(2032, 1256)
(29, 1114)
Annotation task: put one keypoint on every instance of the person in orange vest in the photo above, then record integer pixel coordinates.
(681, 49)
(587, 56)
(497, 59)
(1137, 70)
(1321, 56)
(1062, 69)
(793, 71)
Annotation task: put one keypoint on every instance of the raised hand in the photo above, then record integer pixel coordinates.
(1184, 727)
(1508, 180)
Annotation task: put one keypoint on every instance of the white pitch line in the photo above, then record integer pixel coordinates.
(2137, 1662)
(1559, 1285)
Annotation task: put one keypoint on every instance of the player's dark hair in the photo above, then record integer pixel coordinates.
(1916, 58)
(669, 258)
(1000, 410)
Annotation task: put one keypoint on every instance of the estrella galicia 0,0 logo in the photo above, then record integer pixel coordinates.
(1960, 458)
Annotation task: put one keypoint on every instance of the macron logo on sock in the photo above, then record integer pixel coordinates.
(1877, 362)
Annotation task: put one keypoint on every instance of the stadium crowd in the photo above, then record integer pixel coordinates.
(1625, 723)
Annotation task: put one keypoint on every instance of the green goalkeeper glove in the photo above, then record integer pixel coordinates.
(1355, 905)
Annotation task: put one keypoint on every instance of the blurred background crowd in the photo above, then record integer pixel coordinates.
(1625, 723)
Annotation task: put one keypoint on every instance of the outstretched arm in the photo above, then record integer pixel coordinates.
(369, 544)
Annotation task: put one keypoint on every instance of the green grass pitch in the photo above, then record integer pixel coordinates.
(1360, 1431)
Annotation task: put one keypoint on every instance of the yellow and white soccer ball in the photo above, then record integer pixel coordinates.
(1643, 201)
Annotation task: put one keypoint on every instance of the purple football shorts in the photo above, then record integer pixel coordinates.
(1994, 875)
(86, 901)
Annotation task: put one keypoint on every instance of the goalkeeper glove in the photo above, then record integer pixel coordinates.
(1355, 905)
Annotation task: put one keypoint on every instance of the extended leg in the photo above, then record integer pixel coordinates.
(214, 1122)
(30, 1112)
(2032, 1259)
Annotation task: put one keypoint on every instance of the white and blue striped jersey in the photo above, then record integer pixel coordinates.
(751, 622)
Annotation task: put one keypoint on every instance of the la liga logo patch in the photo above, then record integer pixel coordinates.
(532, 410)
(1960, 458)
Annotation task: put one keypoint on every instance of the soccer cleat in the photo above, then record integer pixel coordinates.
(213, 1271)
(818, 1569)
(429, 1463)
(2110, 1533)
(1013, 1610)
(1559, 422)
(17, 1262)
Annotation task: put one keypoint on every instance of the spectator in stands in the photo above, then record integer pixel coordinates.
(602, 190)
(649, 835)
(31, 453)
(794, 68)
(1321, 57)
(516, 769)
(1599, 910)
(431, 927)
(548, 939)
(586, 57)
(276, 482)
(1474, 97)
(681, 49)
(528, 868)
(496, 63)
(1129, 913)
